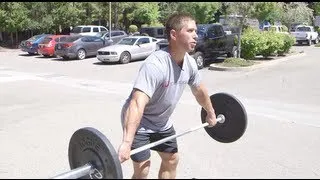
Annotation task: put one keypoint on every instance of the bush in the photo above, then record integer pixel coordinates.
(285, 28)
(133, 28)
(273, 41)
(289, 41)
(251, 43)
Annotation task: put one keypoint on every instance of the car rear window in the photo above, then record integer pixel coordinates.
(46, 40)
(76, 30)
(303, 29)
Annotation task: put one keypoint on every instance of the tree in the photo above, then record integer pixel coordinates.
(145, 13)
(244, 10)
(202, 11)
(166, 9)
(296, 12)
(267, 11)
(16, 19)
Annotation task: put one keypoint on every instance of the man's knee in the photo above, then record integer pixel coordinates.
(170, 159)
(141, 169)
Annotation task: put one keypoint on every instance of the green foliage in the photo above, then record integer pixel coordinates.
(316, 8)
(146, 13)
(251, 43)
(288, 42)
(269, 11)
(202, 11)
(265, 43)
(272, 42)
(285, 28)
(296, 12)
(133, 28)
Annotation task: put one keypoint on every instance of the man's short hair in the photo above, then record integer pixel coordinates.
(175, 21)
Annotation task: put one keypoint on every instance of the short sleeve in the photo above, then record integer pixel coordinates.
(149, 78)
(195, 78)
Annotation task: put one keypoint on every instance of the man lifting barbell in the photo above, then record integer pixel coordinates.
(145, 115)
(156, 91)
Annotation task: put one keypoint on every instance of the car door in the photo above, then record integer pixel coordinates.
(145, 47)
(211, 42)
(87, 45)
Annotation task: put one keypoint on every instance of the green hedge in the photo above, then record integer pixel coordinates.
(266, 43)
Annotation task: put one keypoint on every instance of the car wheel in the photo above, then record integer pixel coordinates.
(316, 41)
(125, 57)
(198, 56)
(81, 54)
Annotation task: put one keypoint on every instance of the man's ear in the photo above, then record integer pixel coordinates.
(173, 34)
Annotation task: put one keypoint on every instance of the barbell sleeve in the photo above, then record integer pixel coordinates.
(220, 119)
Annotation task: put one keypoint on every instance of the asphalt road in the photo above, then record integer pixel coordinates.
(44, 100)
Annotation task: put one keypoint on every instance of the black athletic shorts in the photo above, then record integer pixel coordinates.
(142, 139)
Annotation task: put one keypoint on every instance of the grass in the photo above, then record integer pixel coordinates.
(236, 62)
(317, 45)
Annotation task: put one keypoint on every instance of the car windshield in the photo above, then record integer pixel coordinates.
(303, 29)
(128, 41)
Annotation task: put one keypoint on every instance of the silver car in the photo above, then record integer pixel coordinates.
(128, 49)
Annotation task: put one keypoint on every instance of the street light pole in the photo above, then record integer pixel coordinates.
(109, 21)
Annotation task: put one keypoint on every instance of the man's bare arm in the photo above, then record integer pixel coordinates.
(133, 115)
(202, 97)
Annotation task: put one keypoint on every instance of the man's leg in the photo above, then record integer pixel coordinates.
(141, 160)
(168, 152)
(168, 168)
(141, 169)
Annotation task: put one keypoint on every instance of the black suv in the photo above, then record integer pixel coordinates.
(212, 42)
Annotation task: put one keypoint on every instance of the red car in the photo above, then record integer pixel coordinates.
(46, 46)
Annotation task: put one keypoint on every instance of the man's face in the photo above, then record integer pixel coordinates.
(186, 38)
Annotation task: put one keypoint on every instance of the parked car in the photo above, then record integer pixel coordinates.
(304, 33)
(276, 28)
(46, 46)
(212, 42)
(156, 32)
(31, 45)
(79, 47)
(128, 49)
(89, 30)
(116, 35)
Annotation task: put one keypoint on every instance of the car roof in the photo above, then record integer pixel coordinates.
(139, 37)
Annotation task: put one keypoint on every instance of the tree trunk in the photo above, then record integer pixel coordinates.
(11, 35)
(17, 39)
(116, 17)
(1, 37)
(239, 38)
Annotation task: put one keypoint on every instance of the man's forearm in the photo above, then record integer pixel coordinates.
(132, 121)
(203, 99)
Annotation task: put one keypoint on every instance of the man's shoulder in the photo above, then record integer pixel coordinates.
(159, 58)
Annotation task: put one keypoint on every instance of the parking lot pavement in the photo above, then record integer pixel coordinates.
(44, 100)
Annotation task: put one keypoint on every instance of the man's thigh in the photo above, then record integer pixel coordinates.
(170, 146)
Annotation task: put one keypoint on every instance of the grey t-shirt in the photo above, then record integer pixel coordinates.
(163, 80)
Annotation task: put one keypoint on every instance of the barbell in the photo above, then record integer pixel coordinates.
(91, 155)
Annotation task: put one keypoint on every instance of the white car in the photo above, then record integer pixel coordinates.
(128, 49)
(88, 30)
(305, 33)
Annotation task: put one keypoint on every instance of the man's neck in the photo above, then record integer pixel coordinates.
(177, 55)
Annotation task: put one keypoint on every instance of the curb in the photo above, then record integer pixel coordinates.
(253, 67)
